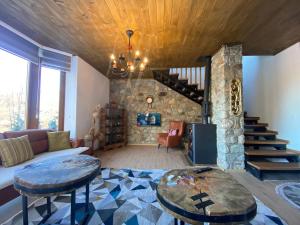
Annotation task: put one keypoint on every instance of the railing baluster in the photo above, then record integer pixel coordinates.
(200, 78)
(203, 79)
(180, 73)
(196, 75)
(190, 75)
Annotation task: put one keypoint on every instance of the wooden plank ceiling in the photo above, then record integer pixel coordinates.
(171, 33)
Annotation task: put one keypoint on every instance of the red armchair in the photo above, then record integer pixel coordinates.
(166, 140)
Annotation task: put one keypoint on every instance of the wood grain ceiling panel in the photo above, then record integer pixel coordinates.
(171, 33)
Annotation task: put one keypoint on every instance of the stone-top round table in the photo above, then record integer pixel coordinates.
(56, 176)
(205, 195)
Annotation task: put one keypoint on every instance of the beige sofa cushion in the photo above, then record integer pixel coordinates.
(14, 151)
(59, 140)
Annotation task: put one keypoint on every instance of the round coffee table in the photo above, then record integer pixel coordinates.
(56, 176)
(205, 195)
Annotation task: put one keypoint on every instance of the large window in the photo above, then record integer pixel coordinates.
(29, 99)
(31, 94)
(49, 98)
(13, 91)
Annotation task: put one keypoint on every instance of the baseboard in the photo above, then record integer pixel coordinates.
(142, 144)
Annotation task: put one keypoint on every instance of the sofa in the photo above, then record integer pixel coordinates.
(39, 142)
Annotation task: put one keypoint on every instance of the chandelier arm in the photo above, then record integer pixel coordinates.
(125, 66)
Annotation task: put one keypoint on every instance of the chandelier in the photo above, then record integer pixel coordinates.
(128, 63)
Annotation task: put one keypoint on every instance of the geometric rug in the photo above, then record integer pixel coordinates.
(121, 197)
(290, 192)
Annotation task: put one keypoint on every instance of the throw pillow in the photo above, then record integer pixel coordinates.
(14, 151)
(59, 140)
(173, 132)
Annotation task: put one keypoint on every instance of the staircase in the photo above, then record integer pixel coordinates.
(184, 84)
(263, 150)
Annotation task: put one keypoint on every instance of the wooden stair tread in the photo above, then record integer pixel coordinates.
(260, 133)
(275, 166)
(174, 75)
(251, 118)
(270, 153)
(267, 142)
(185, 81)
(256, 125)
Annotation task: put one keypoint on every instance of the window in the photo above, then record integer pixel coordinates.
(13, 91)
(49, 98)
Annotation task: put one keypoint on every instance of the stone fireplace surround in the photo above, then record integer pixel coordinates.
(227, 65)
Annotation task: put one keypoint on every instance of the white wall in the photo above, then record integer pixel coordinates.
(272, 91)
(92, 89)
(86, 87)
(71, 98)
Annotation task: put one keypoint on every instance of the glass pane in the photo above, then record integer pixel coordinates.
(49, 98)
(13, 91)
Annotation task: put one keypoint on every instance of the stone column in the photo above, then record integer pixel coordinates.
(226, 66)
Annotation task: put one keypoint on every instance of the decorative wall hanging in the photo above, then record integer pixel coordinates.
(94, 137)
(148, 119)
(149, 100)
(236, 97)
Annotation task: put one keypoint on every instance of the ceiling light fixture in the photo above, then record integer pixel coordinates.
(129, 62)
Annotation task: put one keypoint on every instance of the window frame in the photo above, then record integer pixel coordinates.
(33, 97)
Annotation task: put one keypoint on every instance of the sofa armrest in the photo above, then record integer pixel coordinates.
(76, 143)
(173, 141)
(88, 152)
(162, 135)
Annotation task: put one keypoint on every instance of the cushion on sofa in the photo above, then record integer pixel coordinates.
(7, 174)
(14, 151)
(59, 140)
(173, 132)
(38, 138)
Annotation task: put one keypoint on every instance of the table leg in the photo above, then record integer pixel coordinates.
(73, 203)
(48, 206)
(25, 209)
(87, 197)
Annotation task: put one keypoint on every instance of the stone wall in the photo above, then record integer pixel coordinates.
(132, 93)
(226, 65)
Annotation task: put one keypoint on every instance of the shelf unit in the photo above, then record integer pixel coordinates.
(113, 126)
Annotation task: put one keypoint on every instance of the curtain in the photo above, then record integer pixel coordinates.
(55, 60)
(17, 45)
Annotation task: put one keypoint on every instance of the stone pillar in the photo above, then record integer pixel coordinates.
(226, 66)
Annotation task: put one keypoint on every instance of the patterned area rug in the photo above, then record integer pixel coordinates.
(121, 197)
(290, 192)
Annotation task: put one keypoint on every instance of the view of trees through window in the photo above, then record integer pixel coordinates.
(13, 91)
(49, 98)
